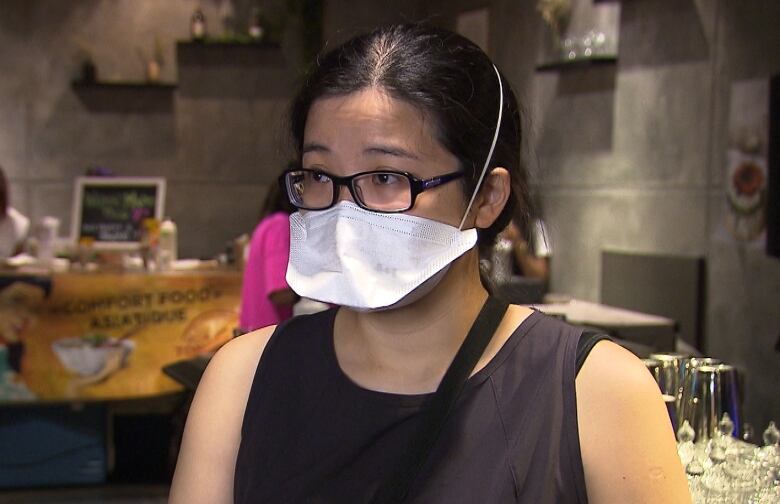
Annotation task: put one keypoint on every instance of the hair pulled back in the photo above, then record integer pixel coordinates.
(451, 80)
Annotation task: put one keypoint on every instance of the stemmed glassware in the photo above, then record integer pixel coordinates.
(723, 469)
(713, 441)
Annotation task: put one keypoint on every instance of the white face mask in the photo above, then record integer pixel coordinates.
(349, 256)
(366, 260)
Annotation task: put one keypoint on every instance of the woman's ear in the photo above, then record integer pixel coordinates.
(492, 197)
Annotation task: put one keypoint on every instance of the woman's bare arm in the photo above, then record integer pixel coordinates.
(628, 447)
(207, 459)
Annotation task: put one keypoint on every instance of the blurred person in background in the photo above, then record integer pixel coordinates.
(14, 226)
(266, 299)
(530, 251)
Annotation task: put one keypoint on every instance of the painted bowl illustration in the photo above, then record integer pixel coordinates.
(88, 355)
(209, 330)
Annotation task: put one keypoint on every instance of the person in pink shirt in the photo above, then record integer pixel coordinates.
(266, 299)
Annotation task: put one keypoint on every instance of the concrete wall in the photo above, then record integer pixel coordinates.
(744, 284)
(632, 158)
(217, 138)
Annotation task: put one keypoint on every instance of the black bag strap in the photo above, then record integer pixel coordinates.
(396, 487)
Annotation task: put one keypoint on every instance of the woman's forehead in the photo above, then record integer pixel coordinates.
(369, 116)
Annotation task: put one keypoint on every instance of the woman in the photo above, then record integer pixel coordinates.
(266, 299)
(13, 225)
(395, 130)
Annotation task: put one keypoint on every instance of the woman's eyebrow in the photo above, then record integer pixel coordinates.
(389, 150)
(314, 147)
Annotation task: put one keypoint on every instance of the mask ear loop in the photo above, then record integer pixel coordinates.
(492, 147)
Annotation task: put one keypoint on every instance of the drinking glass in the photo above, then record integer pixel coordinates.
(671, 409)
(670, 372)
(730, 397)
(654, 366)
(708, 392)
(670, 377)
(690, 363)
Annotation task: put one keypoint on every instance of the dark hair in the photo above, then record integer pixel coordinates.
(449, 79)
(275, 200)
(3, 194)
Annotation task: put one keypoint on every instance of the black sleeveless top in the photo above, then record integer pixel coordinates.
(312, 435)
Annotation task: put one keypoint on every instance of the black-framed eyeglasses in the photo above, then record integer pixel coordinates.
(385, 191)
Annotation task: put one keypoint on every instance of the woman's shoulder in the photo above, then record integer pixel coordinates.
(213, 431)
(612, 366)
(612, 375)
(232, 371)
(626, 438)
(248, 343)
(236, 361)
(303, 335)
(527, 338)
(543, 328)
(537, 339)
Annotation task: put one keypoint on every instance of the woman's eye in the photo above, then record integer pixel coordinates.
(386, 178)
(320, 177)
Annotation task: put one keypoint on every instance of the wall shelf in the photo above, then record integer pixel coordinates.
(80, 85)
(579, 63)
(212, 67)
(125, 96)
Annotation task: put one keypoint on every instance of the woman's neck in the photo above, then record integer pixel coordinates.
(408, 349)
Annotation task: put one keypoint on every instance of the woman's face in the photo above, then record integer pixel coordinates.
(369, 130)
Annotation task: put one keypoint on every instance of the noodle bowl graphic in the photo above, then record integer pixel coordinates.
(89, 356)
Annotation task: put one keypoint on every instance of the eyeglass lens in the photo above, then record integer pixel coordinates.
(383, 191)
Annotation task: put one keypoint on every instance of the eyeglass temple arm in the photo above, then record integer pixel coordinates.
(436, 181)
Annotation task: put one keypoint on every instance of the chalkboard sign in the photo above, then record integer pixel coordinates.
(111, 210)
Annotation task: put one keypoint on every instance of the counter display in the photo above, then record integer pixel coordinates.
(97, 336)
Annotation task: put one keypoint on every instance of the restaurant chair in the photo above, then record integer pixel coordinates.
(667, 285)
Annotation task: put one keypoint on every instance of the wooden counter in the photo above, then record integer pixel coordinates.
(107, 335)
